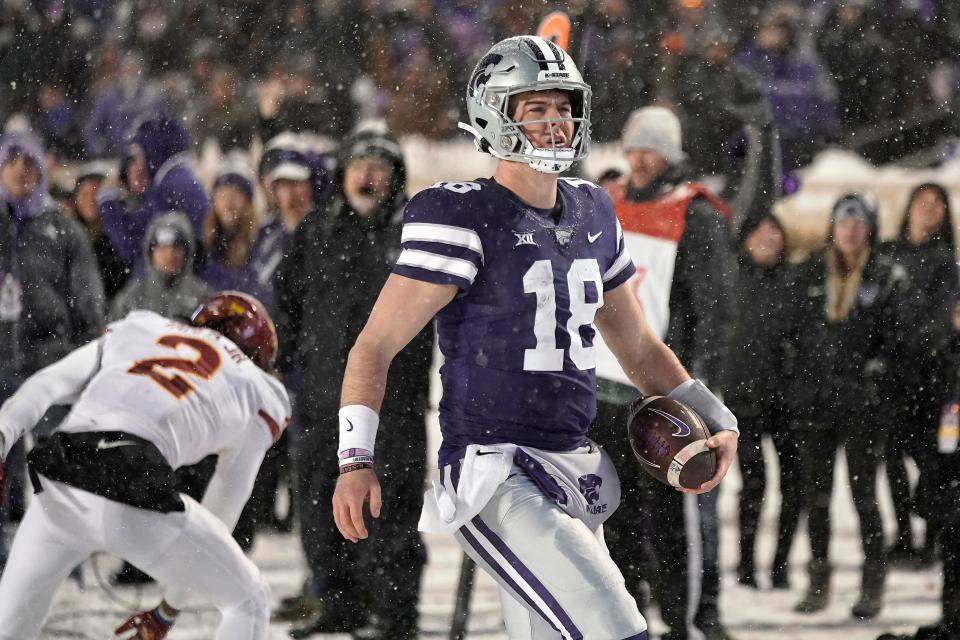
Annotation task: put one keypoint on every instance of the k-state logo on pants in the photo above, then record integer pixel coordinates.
(590, 487)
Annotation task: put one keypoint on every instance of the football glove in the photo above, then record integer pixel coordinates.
(145, 625)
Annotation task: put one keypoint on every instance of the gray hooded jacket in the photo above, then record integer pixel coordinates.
(173, 297)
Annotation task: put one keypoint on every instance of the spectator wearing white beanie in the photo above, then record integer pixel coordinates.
(655, 129)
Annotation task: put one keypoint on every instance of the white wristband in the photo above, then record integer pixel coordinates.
(695, 395)
(358, 428)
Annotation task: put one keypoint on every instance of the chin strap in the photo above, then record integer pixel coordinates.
(482, 145)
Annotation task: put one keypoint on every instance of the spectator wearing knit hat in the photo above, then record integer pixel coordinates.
(51, 296)
(677, 233)
(287, 177)
(329, 279)
(849, 321)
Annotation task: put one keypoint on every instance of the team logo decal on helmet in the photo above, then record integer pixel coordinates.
(484, 71)
(518, 65)
(242, 319)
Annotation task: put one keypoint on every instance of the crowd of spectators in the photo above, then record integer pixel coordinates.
(303, 212)
(83, 71)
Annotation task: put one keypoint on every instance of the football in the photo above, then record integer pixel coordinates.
(669, 440)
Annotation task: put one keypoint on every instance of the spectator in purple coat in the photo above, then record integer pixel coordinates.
(55, 119)
(796, 84)
(162, 145)
(229, 232)
(116, 110)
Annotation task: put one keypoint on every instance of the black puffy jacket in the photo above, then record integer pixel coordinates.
(760, 350)
(846, 360)
(326, 285)
(57, 304)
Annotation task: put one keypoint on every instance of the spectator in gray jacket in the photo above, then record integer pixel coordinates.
(168, 285)
(51, 296)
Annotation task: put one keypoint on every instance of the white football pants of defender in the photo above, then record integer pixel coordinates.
(191, 550)
(556, 577)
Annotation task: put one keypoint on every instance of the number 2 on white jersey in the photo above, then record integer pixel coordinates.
(538, 280)
(203, 366)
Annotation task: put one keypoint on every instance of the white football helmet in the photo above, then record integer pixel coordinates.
(517, 65)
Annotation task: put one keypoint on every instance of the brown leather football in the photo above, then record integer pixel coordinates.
(669, 440)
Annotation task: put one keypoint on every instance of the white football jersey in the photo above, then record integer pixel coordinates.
(190, 391)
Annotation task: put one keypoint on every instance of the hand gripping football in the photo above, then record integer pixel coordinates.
(670, 441)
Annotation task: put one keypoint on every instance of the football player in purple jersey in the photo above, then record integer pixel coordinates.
(520, 271)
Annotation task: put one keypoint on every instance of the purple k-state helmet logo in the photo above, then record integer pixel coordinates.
(683, 429)
(484, 71)
(590, 487)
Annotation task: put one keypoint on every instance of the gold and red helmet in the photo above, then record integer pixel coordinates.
(244, 320)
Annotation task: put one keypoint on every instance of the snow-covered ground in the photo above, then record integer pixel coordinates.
(912, 597)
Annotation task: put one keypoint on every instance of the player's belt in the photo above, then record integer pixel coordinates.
(115, 465)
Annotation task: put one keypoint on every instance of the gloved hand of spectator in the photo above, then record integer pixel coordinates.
(146, 625)
(748, 102)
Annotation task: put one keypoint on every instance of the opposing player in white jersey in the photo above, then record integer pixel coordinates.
(149, 396)
(516, 269)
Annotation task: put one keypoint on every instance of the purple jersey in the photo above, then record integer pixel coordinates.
(518, 338)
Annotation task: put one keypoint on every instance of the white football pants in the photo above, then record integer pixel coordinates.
(190, 550)
(556, 577)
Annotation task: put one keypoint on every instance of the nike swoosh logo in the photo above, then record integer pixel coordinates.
(683, 430)
(103, 444)
(591, 238)
(350, 428)
(488, 453)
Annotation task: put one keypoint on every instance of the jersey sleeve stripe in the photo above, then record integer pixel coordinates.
(457, 236)
(272, 424)
(623, 260)
(433, 262)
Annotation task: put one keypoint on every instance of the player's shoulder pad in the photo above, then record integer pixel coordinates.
(581, 188)
(580, 183)
(135, 317)
(594, 193)
(448, 202)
